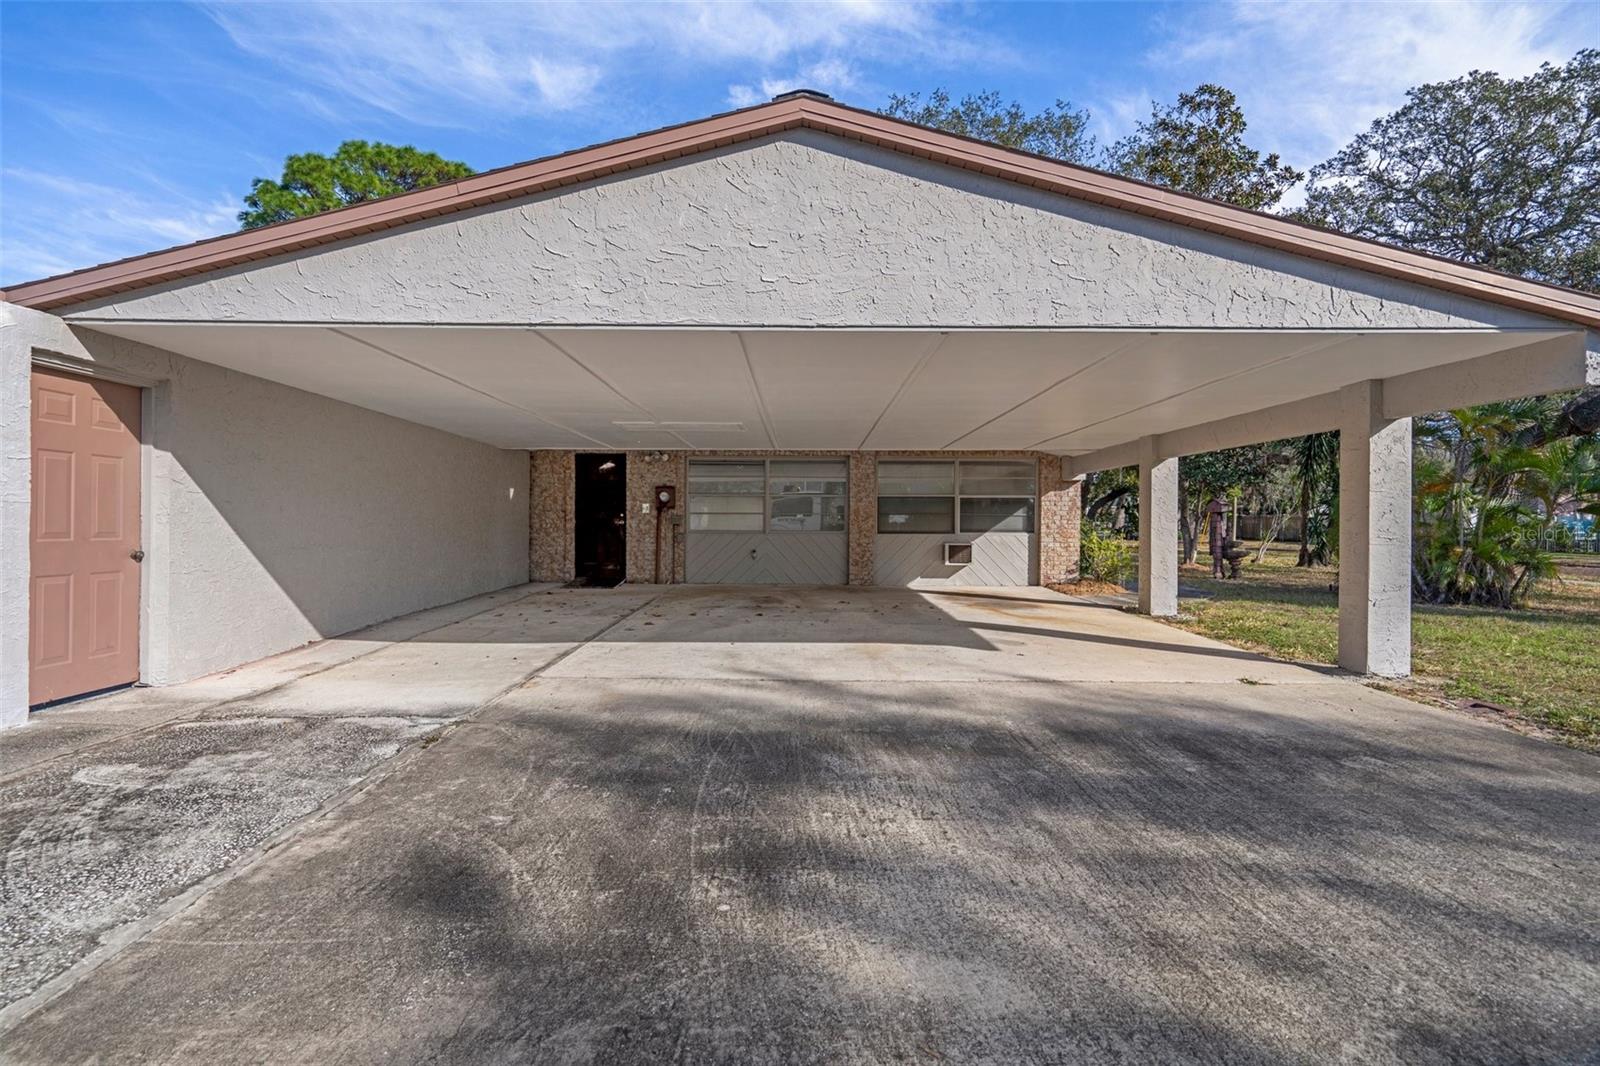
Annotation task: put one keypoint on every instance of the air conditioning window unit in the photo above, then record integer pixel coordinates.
(957, 554)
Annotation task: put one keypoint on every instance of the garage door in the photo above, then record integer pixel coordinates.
(767, 522)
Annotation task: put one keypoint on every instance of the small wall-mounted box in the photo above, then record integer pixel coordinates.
(957, 554)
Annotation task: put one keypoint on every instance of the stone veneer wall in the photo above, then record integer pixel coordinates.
(644, 474)
(550, 547)
(552, 483)
(1060, 522)
(862, 516)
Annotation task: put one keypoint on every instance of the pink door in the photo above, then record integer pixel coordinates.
(84, 593)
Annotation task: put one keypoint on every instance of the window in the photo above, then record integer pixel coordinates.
(998, 479)
(916, 514)
(727, 496)
(997, 497)
(789, 495)
(974, 496)
(806, 496)
(916, 497)
(996, 514)
(916, 479)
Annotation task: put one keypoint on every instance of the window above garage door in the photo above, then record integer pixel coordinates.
(774, 496)
(974, 495)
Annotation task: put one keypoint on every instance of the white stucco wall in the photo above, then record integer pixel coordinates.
(803, 229)
(273, 516)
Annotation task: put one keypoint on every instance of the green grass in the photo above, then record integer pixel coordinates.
(1542, 661)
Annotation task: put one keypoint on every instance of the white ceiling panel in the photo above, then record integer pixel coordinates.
(1337, 362)
(1156, 367)
(695, 384)
(754, 390)
(517, 365)
(825, 389)
(974, 378)
(340, 367)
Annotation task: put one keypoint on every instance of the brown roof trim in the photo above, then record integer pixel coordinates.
(587, 164)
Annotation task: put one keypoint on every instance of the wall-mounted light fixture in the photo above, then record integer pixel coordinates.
(658, 457)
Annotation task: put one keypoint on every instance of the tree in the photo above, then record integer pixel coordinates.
(1059, 132)
(1314, 460)
(1111, 497)
(1502, 172)
(1486, 506)
(1197, 146)
(359, 171)
(1213, 476)
(1505, 173)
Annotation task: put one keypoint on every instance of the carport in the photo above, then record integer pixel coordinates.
(845, 344)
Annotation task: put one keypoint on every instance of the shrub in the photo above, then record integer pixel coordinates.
(1106, 557)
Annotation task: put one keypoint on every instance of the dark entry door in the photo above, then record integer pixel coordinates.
(600, 516)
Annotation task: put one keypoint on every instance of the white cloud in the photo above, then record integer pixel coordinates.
(1117, 113)
(564, 85)
(1311, 76)
(89, 222)
(832, 75)
(463, 64)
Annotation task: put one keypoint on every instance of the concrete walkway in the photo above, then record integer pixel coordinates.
(789, 825)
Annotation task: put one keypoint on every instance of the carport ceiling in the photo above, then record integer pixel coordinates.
(1070, 392)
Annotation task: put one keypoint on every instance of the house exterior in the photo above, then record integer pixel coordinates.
(849, 350)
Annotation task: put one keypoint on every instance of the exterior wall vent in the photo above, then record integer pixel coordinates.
(957, 554)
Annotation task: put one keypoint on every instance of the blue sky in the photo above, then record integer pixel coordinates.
(146, 129)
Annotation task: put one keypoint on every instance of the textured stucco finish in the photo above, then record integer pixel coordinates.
(1374, 535)
(18, 328)
(803, 229)
(273, 516)
(1158, 532)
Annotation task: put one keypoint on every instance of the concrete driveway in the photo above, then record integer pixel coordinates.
(791, 825)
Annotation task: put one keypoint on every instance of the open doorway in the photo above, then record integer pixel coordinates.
(600, 520)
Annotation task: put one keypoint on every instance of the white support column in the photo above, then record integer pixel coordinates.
(1374, 535)
(1158, 531)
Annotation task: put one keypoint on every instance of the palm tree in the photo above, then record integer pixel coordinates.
(1315, 459)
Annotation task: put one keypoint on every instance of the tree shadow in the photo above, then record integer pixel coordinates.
(817, 872)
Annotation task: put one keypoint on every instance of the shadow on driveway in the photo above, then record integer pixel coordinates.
(766, 870)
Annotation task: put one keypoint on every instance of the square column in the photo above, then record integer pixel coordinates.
(1158, 531)
(551, 488)
(861, 517)
(1374, 535)
(1060, 522)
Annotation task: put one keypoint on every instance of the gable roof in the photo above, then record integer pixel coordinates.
(806, 111)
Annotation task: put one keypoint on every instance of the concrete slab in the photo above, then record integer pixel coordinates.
(113, 805)
(279, 669)
(816, 872)
(820, 826)
(450, 670)
(71, 726)
(97, 840)
(67, 728)
(936, 635)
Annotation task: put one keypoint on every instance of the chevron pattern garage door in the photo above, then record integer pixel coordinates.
(767, 558)
(998, 559)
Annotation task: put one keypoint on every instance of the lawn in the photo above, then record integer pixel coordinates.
(1541, 662)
